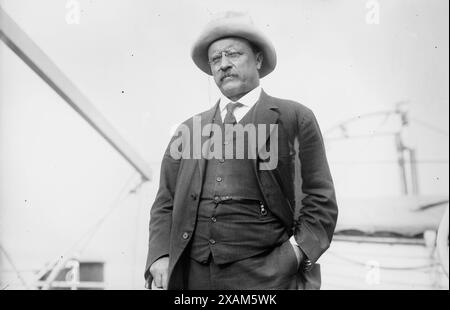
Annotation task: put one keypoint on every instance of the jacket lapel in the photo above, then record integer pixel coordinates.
(207, 120)
(266, 113)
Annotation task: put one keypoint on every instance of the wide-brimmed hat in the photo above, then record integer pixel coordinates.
(233, 24)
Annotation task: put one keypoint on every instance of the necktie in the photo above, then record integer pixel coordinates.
(229, 117)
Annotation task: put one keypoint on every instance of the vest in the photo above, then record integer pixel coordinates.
(232, 221)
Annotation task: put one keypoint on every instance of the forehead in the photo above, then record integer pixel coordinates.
(228, 43)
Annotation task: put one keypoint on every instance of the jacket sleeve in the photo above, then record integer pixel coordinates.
(314, 228)
(161, 211)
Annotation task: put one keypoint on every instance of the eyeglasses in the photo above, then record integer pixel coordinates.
(231, 55)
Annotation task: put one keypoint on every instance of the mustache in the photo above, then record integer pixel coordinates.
(228, 74)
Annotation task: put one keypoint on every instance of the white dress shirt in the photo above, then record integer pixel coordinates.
(247, 103)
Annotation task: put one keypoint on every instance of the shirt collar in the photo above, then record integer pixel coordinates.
(248, 100)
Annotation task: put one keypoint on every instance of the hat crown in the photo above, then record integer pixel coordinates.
(232, 16)
(233, 24)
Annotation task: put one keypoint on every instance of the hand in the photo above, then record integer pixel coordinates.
(159, 270)
(298, 253)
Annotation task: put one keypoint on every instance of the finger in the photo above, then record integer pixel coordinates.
(158, 280)
(164, 280)
(154, 287)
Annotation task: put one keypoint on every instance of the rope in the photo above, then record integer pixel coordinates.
(356, 262)
(430, 127)
(116, 203)
(59, 263)
(19, 275)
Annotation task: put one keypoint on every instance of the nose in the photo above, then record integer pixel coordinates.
(224, 63)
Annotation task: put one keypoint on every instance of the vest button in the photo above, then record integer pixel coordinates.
(212, 241)
(219, 179)
(185, 235)
(226, 142)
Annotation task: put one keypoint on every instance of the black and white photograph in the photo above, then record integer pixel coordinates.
(206, 145)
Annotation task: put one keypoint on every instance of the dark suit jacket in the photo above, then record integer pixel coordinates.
(302, 178)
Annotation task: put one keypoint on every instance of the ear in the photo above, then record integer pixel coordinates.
(259, 60)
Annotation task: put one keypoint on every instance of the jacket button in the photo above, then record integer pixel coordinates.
(212, 241)
(219, 179)
(213, 219)
(221, 160)
(185, 235)
(194, 196)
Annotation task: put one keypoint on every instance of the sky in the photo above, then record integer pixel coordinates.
(132, 60)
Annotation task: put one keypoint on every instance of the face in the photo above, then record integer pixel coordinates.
(234, 66)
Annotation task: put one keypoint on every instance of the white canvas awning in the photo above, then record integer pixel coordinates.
(406, 216)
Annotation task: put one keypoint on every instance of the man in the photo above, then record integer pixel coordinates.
(221, 222)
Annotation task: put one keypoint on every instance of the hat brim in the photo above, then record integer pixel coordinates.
(199, 51)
